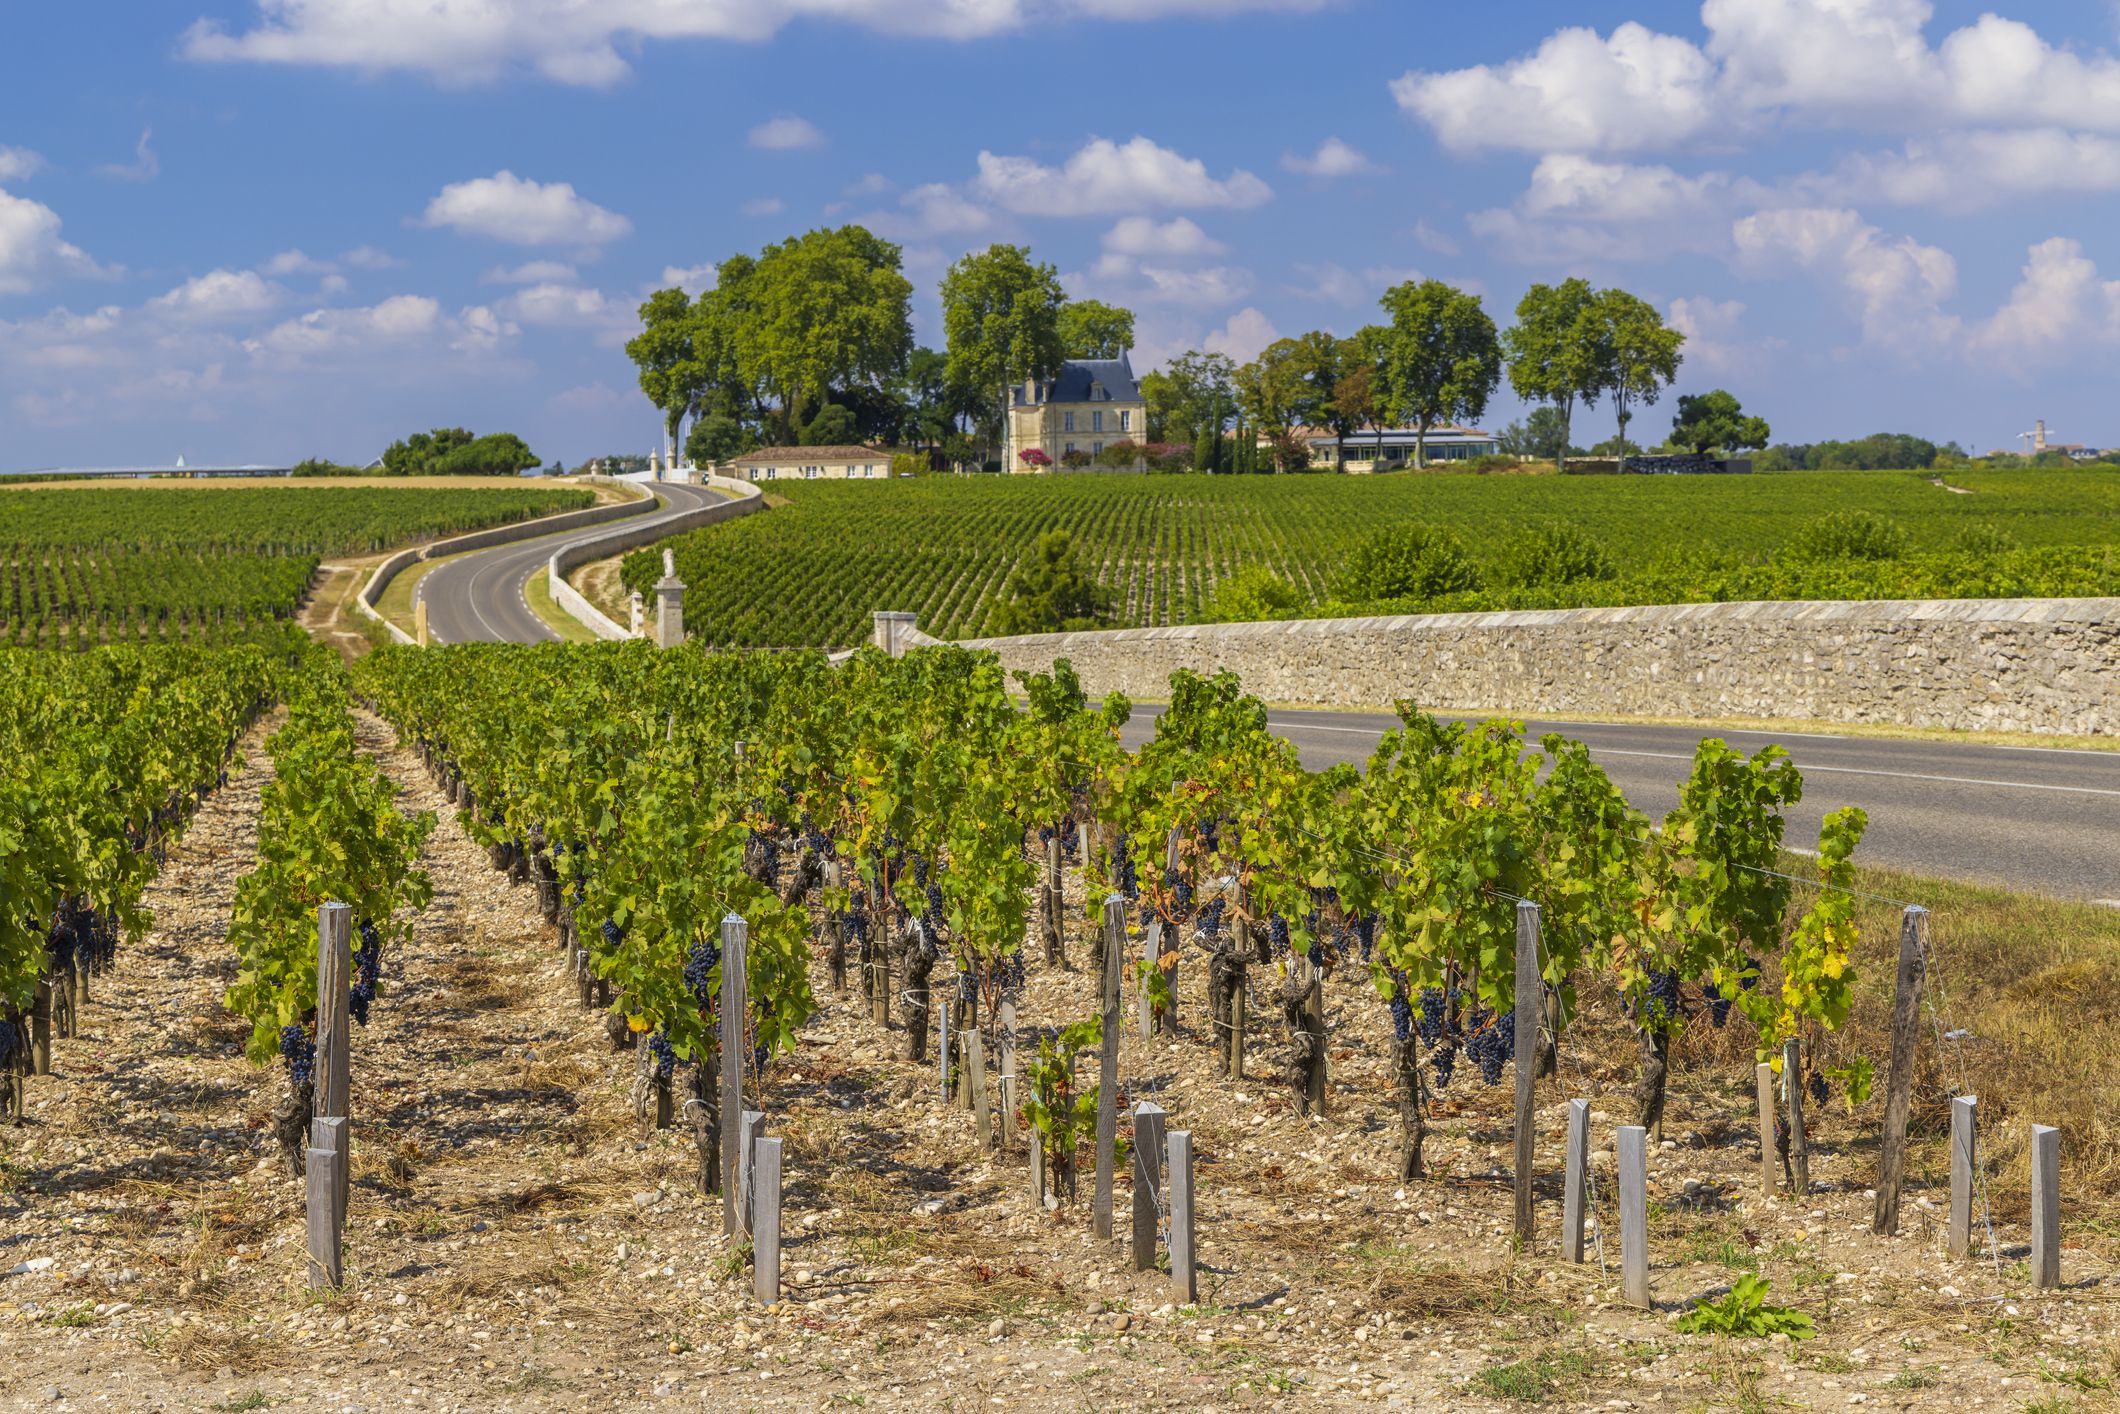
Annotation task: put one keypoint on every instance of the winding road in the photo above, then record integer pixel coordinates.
(2042, 819)
(480, 597)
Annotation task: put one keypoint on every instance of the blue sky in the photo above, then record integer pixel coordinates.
(243, 230)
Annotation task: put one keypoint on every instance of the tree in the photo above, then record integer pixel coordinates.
(1254, 593)
(832, 427)
(1442, 357)
(1001, 318)
(1048, 591)
(1188, 394)
(416, 455)
(1707, 421)
(1409, 561)
(1640, 355)
(671, 373)
(827, 310)
(716, 438)
(1093, 329)
(1271, 390)
(1358, 399)
(495, 454)
(1557, 352)
(1542, 436)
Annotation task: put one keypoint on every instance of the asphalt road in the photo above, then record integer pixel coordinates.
(479, 598)
(2040, 819)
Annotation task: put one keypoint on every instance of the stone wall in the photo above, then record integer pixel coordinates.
(2033, 665)
(744, 498)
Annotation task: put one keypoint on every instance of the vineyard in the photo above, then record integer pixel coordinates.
(809, 573)
(872, 989)
(80, 567)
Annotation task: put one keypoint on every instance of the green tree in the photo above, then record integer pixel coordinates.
(1707, 421)
(1048, 591)
(834, 426)
(1191, 392)
(495, 454)
(1410, 561)
(1640, 353)
(416, 455)
(1442, 358)
(826, 310)
(1557, 352)
(1255, 593)
(1093, 329)
(716, 438)
(1541, 435)
(1360, 398)
(1001, 318)
(671, 373)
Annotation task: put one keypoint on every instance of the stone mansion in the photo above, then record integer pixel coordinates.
(1089, 405)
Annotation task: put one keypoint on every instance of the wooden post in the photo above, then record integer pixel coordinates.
(1792, 1084)
(1239, 985)
(1899, 1080)
(1165, 959)
(1055, 919)
(975, 1076)
(1763, 1077)
(1965, 1139)
(1038, 1184)
(880, 967)
(1008, 1073)
(1151, 954)
(40, 1028)
(734, 935)
(1574, 1198)
(1634, 1213)
(1149, 1131)
(419, 623)
(750, 1132)
(1184, 1253)
(765, 1219)
(1108, 1066)
(326, 1267)
(1530, 1005)
(2046, 1206)
(333, 1074)
(942, 1034)
(1314, 1023)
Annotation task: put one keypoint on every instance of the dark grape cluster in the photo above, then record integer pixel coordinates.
(1752, 974)
(1401, 1014)
(1124, 874)
(1211, 918)
(7, 1040)
(768, 852)
(368, 966)
(665, 1056)
(1180, 889)
(700, 963)
(1277, 934)
(1365, 934)
(612, 935)
(1663, 995)
(857, 925)
(1718, 1004)
(300, 1052)
(1493, 1046)
(1819, 1091)
(1435, 1012)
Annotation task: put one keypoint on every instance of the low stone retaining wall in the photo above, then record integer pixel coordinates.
(744, 499)
(2032, 665)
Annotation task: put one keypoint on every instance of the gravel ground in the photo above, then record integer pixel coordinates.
(516, 1242)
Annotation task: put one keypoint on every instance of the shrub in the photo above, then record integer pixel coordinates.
(1048, 591)
(1847, 535)
(1119, 454)
(1553, 555)
(1485, 465)
(1033, 457)
(1254, 593)
(1411, 561)
(1074, 460)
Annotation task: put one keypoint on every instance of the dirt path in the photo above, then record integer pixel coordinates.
(514, 1243)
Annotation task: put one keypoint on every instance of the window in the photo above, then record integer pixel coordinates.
(1126, 422)
(1067, 422)
(1069, 448)
(1096, 421)
(1096, 449)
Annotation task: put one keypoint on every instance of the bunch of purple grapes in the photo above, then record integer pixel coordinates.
(1819, 1091)
(1180, 888)
(367, 968)
(300, 1052)
(1128, 880)
(613, 935)
(1493, 1046)
(769, 851)
(1401, 1013)
(1365, 934)
(700, 963)
(1277, 934)
(665, 1057)
(1211, 918)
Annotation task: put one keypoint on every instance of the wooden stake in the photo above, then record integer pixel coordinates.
(1008, 1073)
(735, 933)
(1237, 988)
(1108, 1066)
(752, 1130)
(2046, 1206)
(40, 1028)
(1151, 955)
(1899, 1080)
(975, 1076)
(1184, 1253)
(1763, 1077)
(334, 1084)
(1965, 1138)
(325, 1255)
(1792, 1082)
(1634, 1213)
(1149, 1131)
(1574, 1199)
(1530, 1004)
(765, 1236)
(1038, 1184)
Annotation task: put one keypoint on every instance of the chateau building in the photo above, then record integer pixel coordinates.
(1088, 406)
(812, 464)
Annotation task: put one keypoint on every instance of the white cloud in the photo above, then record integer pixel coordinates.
(1247, 332)
(17, 163)
(1430, 239)
(1336, 284)
(368, 257)
(1107, 178)
(2059, 304)
(873, 184)
(762, 206)
(399, 319)
(144, 167)
(1333, 158)
(1986, 167)
(578, 41)
(220, 295)
(558, 305)
(1209, 286)
(1897, 284)
(942, 210)
(1715, 337)
(786, 134)
(296, 262)
(1579, 210)
(31, 250)
(506, 207)
(530, 272)
(1178, 237)
(694, 280)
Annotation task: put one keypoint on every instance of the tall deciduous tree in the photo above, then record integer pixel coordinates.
(1557, 352)
(1360, 398)
(1001, 317)
(829, 309)
(1640, 352)
(1710, 420)
(1194, 395)
(671, 372)
(1093, 329)
(1442, 357)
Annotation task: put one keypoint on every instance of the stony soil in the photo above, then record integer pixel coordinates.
(515, 1242)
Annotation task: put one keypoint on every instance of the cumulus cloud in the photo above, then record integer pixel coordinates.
(1896, 284)
(1715, 337)
(1108, 178)
(578, 41)
(18, 163)
(530, 272)
(565, 305)
(1980, 168)
(786, 134)
(1247, 332)
(1579, 209)
(1336, 284)
(1179, 237)
(220, 295)
(694, 280)
(297, 262)
(2061, 302)
(506, 207)
(32, 250)
(368, 257)
(1333, 158)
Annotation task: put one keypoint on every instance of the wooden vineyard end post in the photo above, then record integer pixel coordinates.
(1530, 1005)
(1149, 1131)
(2046, 1206)
(332, 1096)
(1574, 1200)
(1965, 1141)
(765, 1220)
(1899, 1080)
(735, 934)
(1763, 1078)
(1184, 1252)
(1792, 1086)
(1108, 1065)
(1634, 1213)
